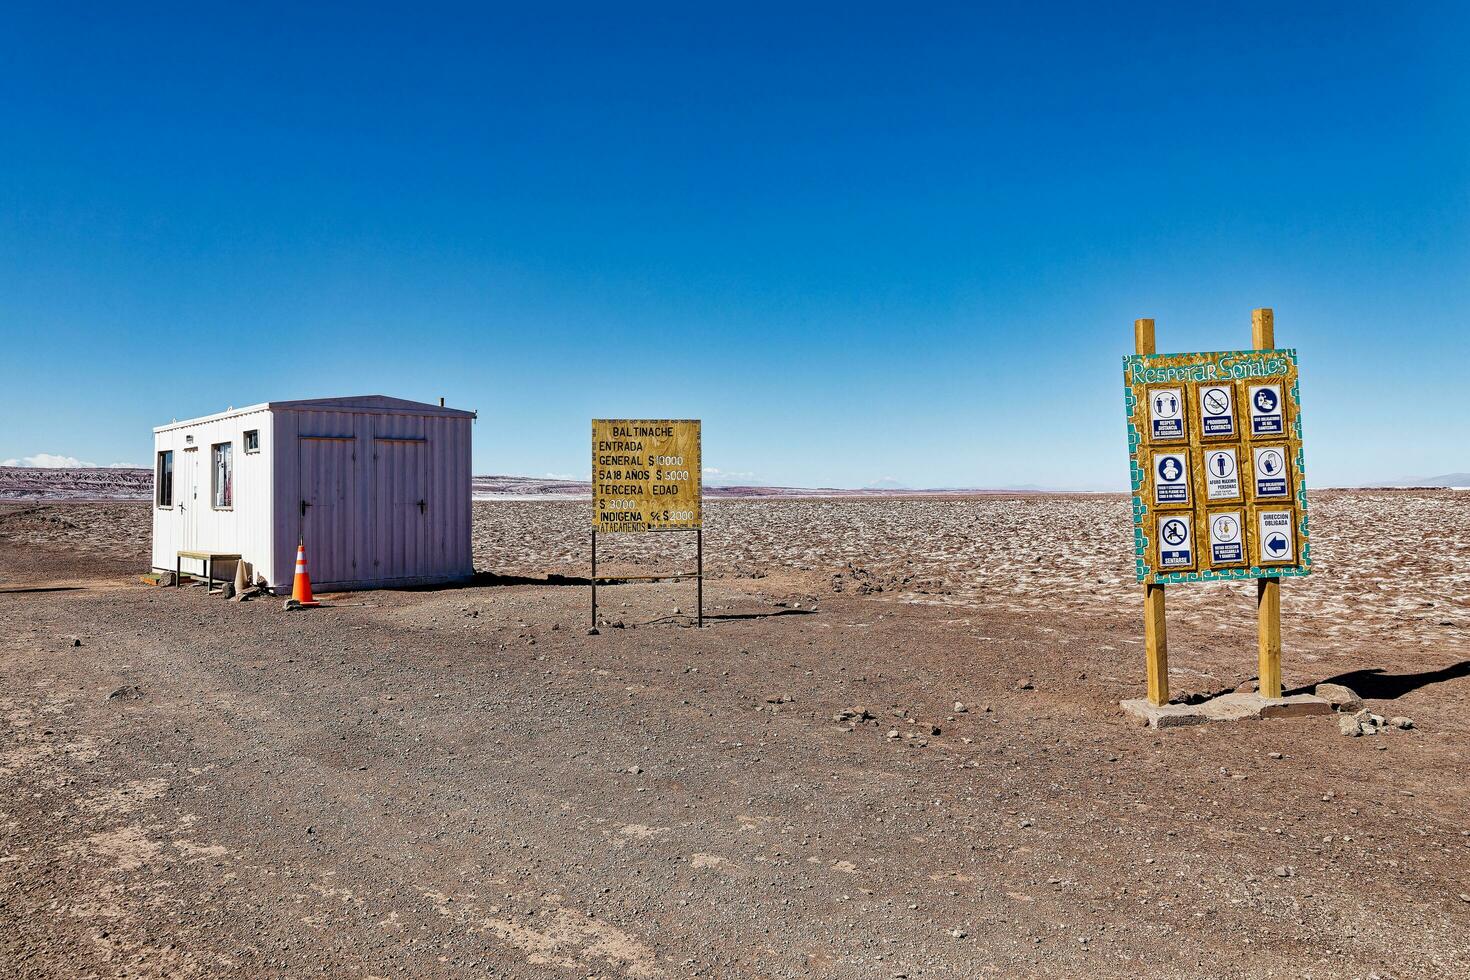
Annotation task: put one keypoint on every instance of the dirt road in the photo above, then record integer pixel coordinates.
(464, 783)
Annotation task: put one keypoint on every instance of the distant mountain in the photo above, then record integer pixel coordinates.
(1448, 480)
(75, 483)
(136, 483)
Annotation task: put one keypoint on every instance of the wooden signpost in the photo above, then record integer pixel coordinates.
(647, 477)
(1219, 486)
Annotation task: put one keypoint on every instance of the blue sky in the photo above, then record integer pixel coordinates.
(860, 242)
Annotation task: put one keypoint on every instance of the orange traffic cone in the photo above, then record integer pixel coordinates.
(301, 587)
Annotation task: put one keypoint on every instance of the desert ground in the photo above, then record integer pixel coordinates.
(895, 750)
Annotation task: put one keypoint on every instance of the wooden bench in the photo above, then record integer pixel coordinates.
(208, 557)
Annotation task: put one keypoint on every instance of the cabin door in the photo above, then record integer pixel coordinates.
(401, 505)
(186, 497)
(328, 513)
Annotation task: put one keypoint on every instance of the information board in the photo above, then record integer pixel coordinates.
(646, 475)
(1213, 429)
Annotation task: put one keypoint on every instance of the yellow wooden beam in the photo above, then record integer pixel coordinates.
(1268, 590)
(1268, 634)
(1155, 634)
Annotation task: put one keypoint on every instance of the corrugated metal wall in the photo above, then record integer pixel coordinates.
(192, 523)
(387, 495)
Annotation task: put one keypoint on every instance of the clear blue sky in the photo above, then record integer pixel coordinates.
(859, 241)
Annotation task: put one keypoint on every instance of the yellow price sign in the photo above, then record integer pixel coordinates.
(646, 475)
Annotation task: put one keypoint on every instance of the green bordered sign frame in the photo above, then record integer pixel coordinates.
(1215, 447)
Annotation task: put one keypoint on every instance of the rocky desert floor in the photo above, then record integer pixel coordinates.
(894, 751)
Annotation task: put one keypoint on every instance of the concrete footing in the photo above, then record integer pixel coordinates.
(1227, 707)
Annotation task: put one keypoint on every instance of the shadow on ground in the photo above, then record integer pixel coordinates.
(1374, 683)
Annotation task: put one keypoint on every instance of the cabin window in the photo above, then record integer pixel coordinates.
(163, 479)
(224, 475)
(252, 440)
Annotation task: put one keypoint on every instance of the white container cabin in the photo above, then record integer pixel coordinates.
(378, 488)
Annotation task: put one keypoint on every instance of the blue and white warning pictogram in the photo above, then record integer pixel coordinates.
(1275, 537)
(1217, 411)
(1176, 542)
(1171, 479)
(1227, 539)
(1166, 413)
(1267, 415)
(1222, 474)
(1272, 482)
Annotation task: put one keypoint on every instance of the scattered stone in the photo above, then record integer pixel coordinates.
(1024, 684)
(959, 708)
(780, 699)
(1362, 722)
(1341, 698)
(635, 770)
(128, 692)
(853, 714)
(1282, 871)
(957, 933)
(1024, 824)
(1275, 755)
(1401, 722)
(893, 733)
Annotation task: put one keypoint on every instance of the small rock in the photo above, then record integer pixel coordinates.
(593, 632)
(1249, 687)
(1402, 722)
(1349, 725)
(1024, 684)
(126, 693)
(933, 729)
(1024, 824)
(957, 933)
(290, 605)
(635, 770)
(76, 643)
(228, 590)
(1340, 697)
(1275, 755)
(1282, 871)
(893, 733)
(959, 708)
(780, 699)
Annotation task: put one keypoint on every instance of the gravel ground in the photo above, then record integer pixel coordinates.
(462, 782)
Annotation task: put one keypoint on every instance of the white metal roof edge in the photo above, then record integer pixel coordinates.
(227, 413)
(328, 405)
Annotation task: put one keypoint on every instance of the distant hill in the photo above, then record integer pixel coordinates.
(1448, 480)
(136, 483)
(77, 483)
